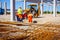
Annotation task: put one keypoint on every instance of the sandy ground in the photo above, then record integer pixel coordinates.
(48, 31)
(41, 20)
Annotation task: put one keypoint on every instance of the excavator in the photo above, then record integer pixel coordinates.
(36, 9)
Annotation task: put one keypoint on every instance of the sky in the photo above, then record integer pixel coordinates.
(17, 4)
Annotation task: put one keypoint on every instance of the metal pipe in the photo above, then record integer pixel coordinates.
(12, 8)
(24, 4)
(0, 4)
(5, 8)
(54, 8)
(41, 7)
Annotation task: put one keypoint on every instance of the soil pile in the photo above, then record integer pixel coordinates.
(46, 31)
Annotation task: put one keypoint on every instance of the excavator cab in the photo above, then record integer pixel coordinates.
(32, 6)
(35, 8)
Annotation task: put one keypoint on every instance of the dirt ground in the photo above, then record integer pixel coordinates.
(46, 28)
(40, 20)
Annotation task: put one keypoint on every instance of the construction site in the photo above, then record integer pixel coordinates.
(44, 26)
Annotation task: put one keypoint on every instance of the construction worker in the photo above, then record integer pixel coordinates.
(25, 14)
(30, 17)
(19, 14)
